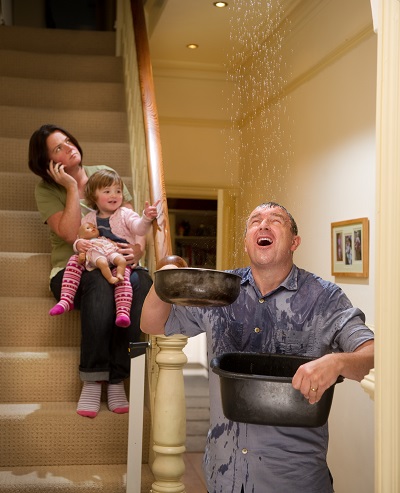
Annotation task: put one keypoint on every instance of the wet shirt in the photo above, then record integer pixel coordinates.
(304, 316)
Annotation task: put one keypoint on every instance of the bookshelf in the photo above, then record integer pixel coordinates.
(193, 224)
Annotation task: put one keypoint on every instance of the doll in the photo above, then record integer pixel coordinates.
(103, 253)
(100, 255)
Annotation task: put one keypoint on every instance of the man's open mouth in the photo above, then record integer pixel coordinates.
(264, 241)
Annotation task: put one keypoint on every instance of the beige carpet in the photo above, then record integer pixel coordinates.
(72, 79)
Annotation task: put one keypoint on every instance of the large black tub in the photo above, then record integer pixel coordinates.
(257, 388)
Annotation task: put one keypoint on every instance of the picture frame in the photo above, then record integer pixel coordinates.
(350, 248)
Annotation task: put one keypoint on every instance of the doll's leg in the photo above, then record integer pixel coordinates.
(102, 264)
(120, 262)
(123, 299)
(70, 283)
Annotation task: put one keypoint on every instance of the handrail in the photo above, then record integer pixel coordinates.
(161, 232)
(167, 397)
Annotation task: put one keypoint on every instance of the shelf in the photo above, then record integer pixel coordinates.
(198, 243)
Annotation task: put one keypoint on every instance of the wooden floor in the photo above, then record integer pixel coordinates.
(193, 478)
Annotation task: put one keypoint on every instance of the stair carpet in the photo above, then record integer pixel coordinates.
(73, 79)
(197, 410)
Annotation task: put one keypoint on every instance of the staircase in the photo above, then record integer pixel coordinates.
(197, 411)
(73, 79)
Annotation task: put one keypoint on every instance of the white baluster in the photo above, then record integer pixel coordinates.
(169, 425)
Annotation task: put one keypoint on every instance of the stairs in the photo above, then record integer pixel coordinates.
(73, 79)
(197, 411)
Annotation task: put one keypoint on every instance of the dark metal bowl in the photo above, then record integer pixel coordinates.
(257, 388)
(197, 287)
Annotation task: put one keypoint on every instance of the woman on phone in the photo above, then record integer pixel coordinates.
(56, 156)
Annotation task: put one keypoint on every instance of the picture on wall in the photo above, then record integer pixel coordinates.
(350, 248)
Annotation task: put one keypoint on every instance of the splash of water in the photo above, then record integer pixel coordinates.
(256, 105)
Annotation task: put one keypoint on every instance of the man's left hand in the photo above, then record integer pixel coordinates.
(313, 378)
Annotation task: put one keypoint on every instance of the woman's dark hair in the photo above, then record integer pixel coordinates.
(101, 179)
(38, 152)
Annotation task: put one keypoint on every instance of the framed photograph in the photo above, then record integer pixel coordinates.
(350, 248)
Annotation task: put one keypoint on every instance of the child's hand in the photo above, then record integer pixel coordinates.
(150, 211)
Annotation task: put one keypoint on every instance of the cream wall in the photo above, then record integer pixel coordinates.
(192, 118)
(333, 179)
(333, 173)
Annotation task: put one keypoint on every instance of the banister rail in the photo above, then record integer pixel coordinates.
(165, 384)
(161, 234)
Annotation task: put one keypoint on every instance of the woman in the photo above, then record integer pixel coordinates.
(56, 156)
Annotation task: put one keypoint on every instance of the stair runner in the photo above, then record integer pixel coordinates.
(73, 79)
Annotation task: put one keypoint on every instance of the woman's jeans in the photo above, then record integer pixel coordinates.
(104, 346)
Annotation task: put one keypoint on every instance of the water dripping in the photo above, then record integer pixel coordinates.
(256, 108)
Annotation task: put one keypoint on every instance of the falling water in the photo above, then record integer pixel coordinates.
(256, 105)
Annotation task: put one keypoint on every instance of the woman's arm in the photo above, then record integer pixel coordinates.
(65, 223)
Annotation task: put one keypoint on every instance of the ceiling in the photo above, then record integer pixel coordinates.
(172, 24)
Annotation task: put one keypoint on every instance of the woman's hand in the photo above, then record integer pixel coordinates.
(132, 253)
(57, 172)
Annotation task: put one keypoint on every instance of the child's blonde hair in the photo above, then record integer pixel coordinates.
(101, 179)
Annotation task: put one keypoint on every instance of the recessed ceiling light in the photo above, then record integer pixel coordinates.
(220, 4)
(192, 46)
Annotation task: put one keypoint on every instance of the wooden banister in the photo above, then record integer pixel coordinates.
(168, 408)
(161, 233)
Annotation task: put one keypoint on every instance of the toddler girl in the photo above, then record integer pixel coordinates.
(108, 219)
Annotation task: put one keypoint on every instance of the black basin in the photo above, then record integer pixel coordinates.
(196, 287)
(256, 388)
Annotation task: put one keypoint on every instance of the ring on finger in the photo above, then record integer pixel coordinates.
(313, 389)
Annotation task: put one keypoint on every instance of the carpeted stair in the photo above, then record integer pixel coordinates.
(73, 79)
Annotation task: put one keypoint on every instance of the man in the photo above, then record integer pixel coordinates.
(280, 309)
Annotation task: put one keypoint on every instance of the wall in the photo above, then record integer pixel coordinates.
(192, 122)
(333, 179)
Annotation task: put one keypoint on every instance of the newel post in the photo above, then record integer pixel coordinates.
(169, 425)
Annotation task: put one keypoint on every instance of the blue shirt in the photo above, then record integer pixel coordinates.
(304, 316)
